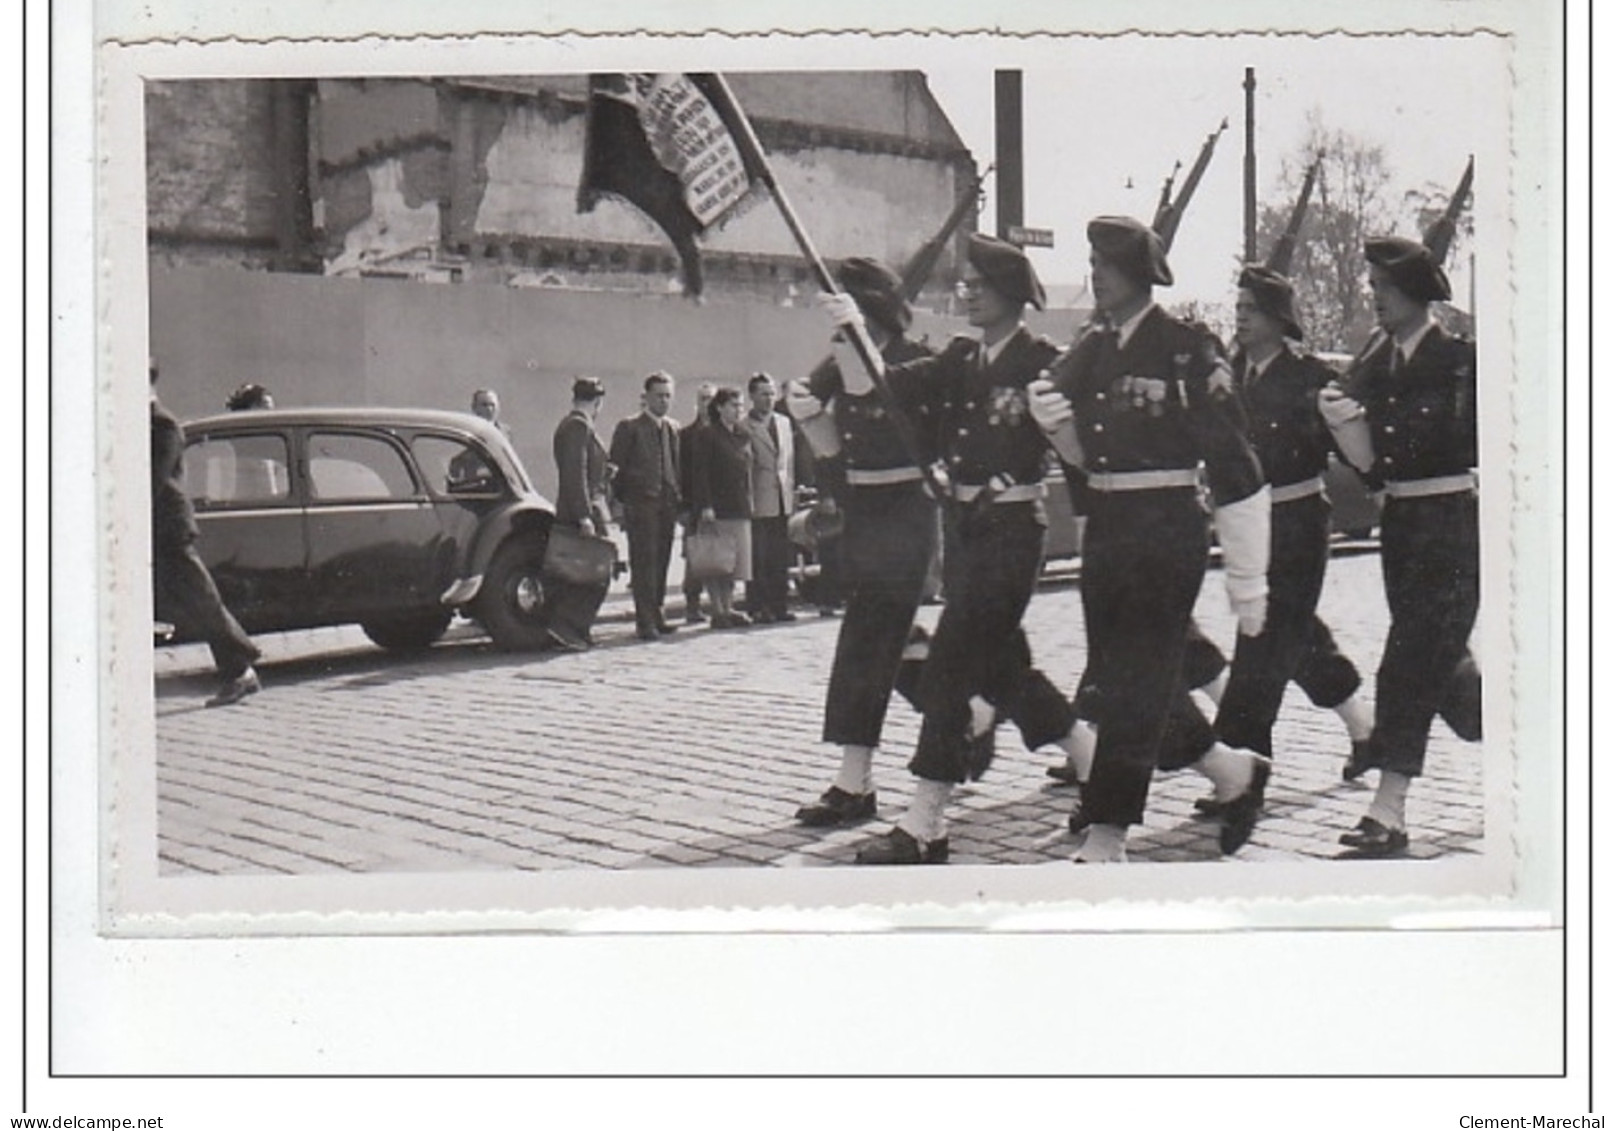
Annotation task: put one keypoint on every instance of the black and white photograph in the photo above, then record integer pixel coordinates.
(830, 482)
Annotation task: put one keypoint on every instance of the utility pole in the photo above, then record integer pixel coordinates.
(1250, 165)
(1009, 159)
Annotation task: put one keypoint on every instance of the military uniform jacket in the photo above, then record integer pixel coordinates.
(1150, 406)
(1421, 413)
(1288, 434)
(982, 426)
(869, 439)
(580, 460)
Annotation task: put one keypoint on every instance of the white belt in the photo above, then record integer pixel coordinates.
(1014, 493)
(1143, 480)
(1423, 488)
(882, 477)
(1302, 489)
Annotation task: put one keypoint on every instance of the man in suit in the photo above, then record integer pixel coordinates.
(1408, 424)
(692, 586)
(974, 398)
(774, 475)
(645, 450)
(182, 589)
(1137, 406)
(581, 464)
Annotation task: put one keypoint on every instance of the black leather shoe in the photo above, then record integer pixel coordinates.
(837, 807)
(237, 689)
(647, 632)
(1357, 763)
(1370, 838)
(566, 642)
(898, 847)
(1239, 815)
(666, 629)
(980, 751)
(785, 617)
(1209, 807)
(1063, 773)
(1079, 819)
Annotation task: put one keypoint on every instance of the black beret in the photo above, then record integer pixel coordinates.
(588, 389)
(878, 292)
(1006, 269)
(1411, 267)
(1274, 296)
(1131, 247)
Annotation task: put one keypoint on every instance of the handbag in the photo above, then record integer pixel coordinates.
(708, 555)
(579, 558)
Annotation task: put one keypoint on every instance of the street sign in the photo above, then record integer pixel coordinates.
(1030, 237)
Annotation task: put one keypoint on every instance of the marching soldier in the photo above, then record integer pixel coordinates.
(1138, 405)
(1408, 424)
(978, 664)
(889, 535)
(1278, 390)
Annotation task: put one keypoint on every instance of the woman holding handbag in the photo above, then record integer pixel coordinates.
(719, 547)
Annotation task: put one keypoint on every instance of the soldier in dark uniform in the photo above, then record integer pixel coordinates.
(1408, 423)
(1139, 404)
(889, 536)
(1278, 391)
(979, 664)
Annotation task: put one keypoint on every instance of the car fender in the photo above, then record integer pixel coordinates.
(521, 518)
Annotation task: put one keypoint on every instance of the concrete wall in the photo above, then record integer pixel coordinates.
(324, 341)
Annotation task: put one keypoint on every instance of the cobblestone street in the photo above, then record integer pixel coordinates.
(695, 751)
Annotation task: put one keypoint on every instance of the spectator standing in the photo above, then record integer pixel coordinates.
(581, 464)
(485, 403)
(692, 586)
(773, 495)
(644, 451)
(720, 496)
(248, 397)
(182, 589)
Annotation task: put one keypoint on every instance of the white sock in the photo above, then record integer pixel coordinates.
(1229, 770)
(926, 819)
(1389, 806)
(1358, 717)
(1104, 844)
(857, 765)
(1079, 743)
(981, 716)
(1214, 689)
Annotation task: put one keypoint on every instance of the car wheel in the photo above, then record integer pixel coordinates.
(511, 603)
(409, 632)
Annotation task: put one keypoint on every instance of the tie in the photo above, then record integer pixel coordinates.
(669, 473)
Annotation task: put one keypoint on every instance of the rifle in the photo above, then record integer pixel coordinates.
(1440, 236)
(1163, 207)
(1167, 226)
(1284, 250)
(919, 268)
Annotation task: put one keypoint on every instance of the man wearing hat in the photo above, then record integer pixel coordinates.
(1138, 405)
(1278, 390)
(978, 666)
(1409, 425)
(581, 464)
(888, 537)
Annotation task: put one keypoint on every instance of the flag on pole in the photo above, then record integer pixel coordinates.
(666, 144)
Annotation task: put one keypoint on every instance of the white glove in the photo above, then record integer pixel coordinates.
(1251, 615)
(1053, 413)
(1349, 425)
(841, 309)
(1243, 533)
(801, 404)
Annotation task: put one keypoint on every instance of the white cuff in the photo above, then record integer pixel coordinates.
(1243, 533)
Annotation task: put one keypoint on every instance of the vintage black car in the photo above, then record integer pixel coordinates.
(392, 519)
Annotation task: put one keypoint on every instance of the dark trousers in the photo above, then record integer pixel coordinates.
(990, 568)
(650, 527)
(885, 551)
(184, 594)
(1203, 662)
(1144, 558)
(769, 590)
(1294, 643)
(1430, 558)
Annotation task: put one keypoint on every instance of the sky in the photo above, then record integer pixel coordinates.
(1098, 112)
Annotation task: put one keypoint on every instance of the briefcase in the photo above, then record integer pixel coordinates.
(582, 559)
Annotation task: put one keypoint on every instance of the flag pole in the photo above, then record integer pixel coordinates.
(860, 338)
